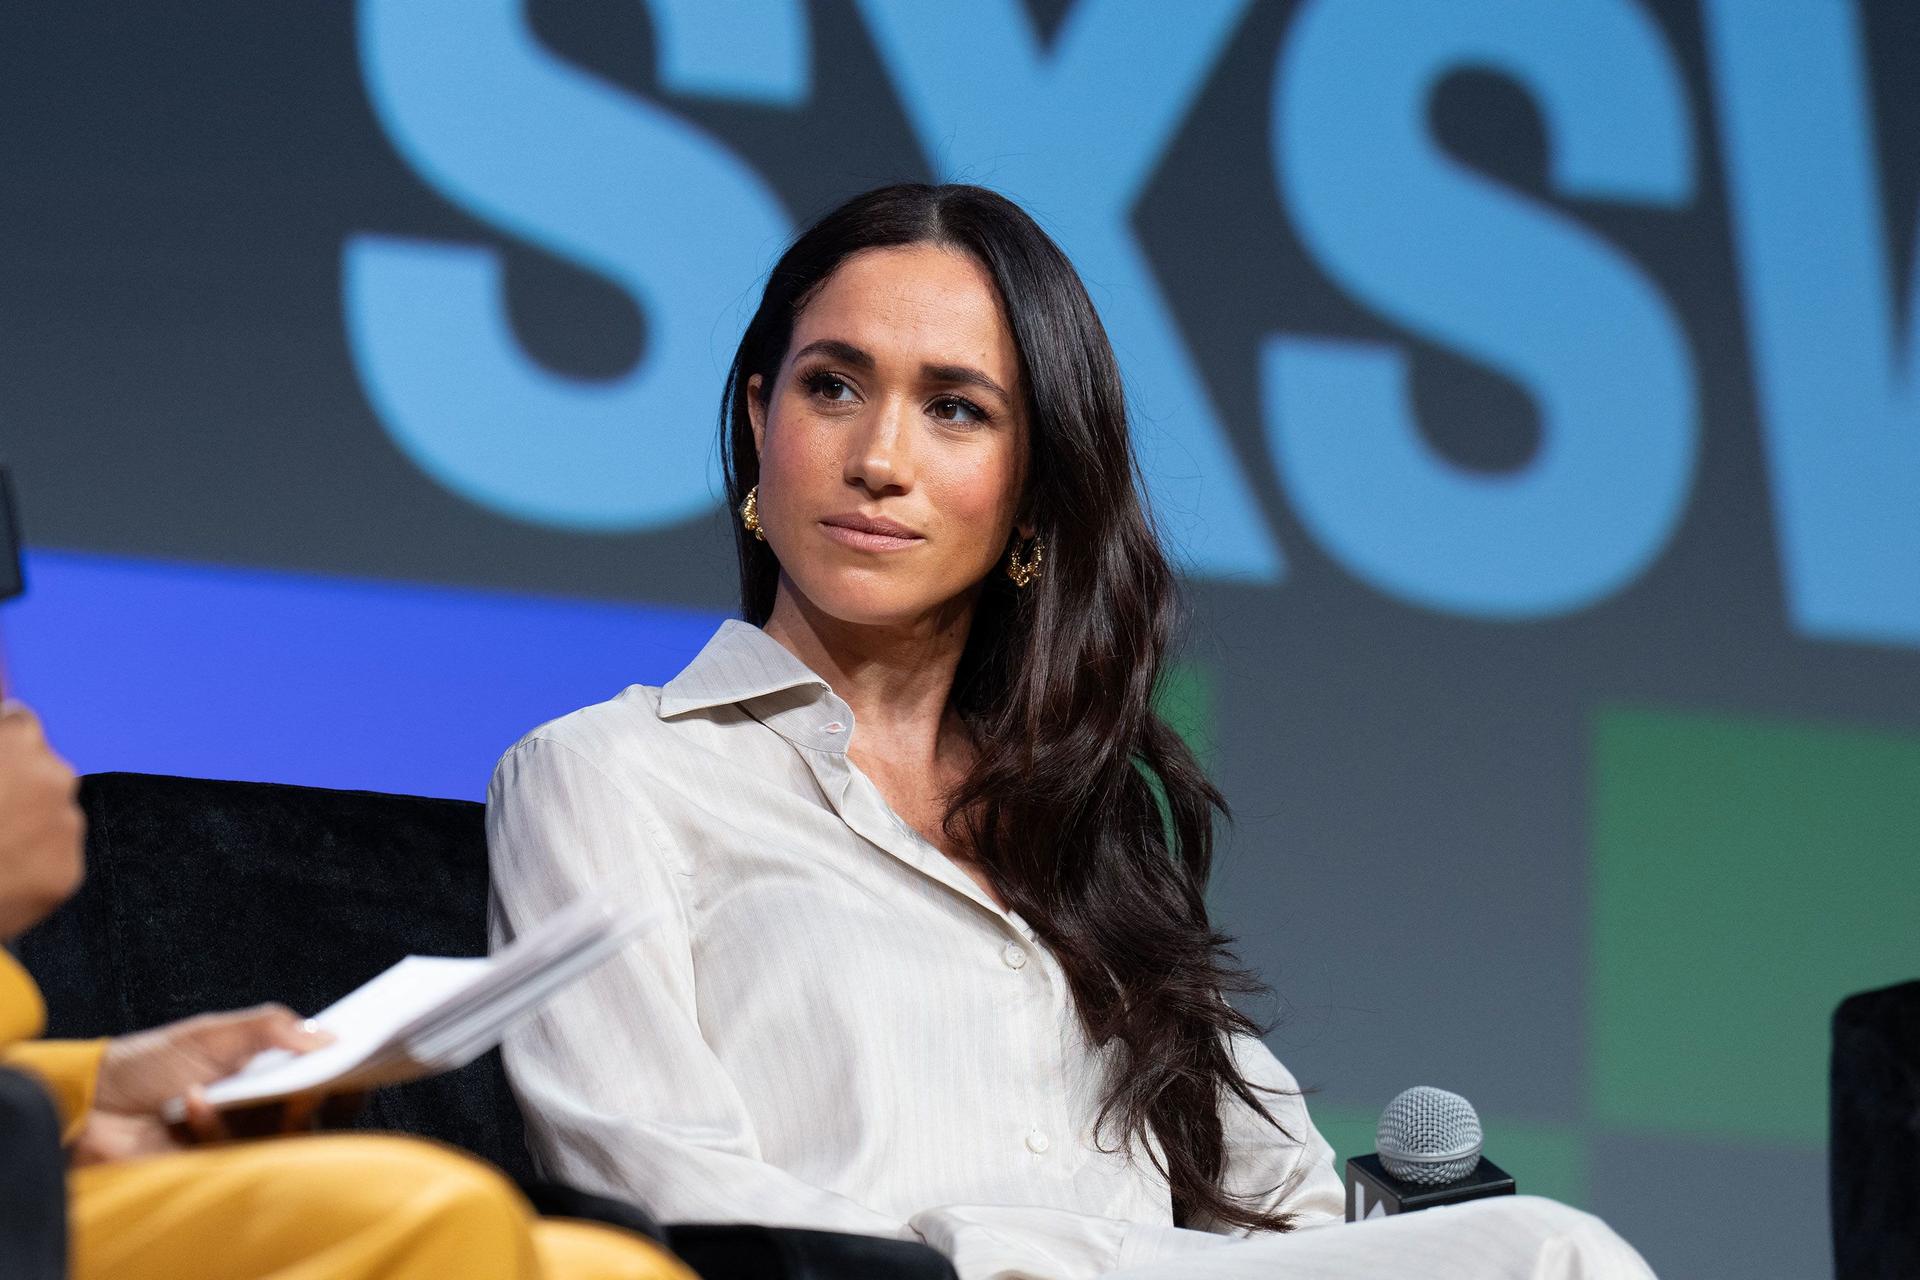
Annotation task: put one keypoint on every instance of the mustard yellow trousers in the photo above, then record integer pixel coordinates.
(333, 1207)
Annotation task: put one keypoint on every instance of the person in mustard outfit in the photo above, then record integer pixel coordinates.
(313, 1207)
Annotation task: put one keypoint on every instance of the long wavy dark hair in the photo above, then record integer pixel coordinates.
(1089, 813)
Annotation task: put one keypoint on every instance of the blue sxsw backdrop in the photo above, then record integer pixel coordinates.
(1496, 366)
(334, 682)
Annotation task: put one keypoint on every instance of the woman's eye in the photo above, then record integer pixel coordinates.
(828, 387)
(954, 409)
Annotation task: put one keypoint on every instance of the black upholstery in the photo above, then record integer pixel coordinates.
(556, 1200)
(215, 895)
(1875, 1126)
(785, 1251)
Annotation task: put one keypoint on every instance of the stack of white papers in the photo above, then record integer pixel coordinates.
(430, 1014)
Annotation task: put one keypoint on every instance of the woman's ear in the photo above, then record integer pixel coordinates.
(757, 410)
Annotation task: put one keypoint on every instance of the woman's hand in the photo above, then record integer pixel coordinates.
(105, 1137)
(142, 1072)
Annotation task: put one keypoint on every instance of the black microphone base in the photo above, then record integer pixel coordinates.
(1372, 1192)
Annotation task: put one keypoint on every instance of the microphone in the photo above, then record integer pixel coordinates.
(1429, 1154)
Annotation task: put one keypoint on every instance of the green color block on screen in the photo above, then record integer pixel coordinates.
(1185, 701)
(1545, 1160)
(1747, 876)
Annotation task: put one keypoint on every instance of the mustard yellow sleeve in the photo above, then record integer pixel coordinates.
(68, 1068)
(22, 1013)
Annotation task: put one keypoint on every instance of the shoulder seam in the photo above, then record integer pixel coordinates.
(648, 815)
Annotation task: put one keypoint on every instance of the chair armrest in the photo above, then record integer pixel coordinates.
(1875, 1135)
(33, 1182)
(557, 1200)
(744, 1252)
(736, 1251)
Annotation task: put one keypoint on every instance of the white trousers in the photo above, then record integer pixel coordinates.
(1501, 1238)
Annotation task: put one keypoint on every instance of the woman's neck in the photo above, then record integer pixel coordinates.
(897, 680)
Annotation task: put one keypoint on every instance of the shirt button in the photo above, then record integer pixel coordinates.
(833, 726)
(1037, 1142)
(1014, 956)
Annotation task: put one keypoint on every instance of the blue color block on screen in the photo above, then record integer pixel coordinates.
(229, 673)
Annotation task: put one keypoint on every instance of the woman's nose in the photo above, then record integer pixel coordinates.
(881, 458)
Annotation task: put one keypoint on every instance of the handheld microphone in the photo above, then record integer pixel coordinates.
(1429, 1154)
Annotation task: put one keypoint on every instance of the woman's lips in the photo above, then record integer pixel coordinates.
(870, 535)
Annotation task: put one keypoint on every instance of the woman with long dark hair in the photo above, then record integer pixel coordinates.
(934, 957)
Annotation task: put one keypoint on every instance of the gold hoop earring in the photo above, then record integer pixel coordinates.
(750, 513)
(1023, 572)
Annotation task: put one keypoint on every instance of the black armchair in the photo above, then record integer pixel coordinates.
(208, 895)
(1875, 1135)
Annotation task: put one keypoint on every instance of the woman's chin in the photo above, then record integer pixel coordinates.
(876, 600)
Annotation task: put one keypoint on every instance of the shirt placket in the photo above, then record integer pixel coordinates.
(1044, 1131)
(1053, 1010)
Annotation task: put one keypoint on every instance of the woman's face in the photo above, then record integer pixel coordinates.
(893, 440)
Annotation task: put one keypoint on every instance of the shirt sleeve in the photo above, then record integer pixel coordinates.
(68, 1069)
(1028, 1242)
(621, 1092)
(1291, 1172)
(23, 1015)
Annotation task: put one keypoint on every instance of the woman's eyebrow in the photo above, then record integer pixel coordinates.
(962, 375)
(953, 375)
(845, 352)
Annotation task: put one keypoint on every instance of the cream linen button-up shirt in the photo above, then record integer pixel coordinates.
(834, 1027)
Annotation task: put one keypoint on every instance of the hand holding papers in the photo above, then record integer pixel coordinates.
(430, 1014)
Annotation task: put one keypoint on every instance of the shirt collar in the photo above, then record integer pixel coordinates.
(742, 664)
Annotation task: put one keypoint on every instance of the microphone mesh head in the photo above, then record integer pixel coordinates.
(1429, 1137)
